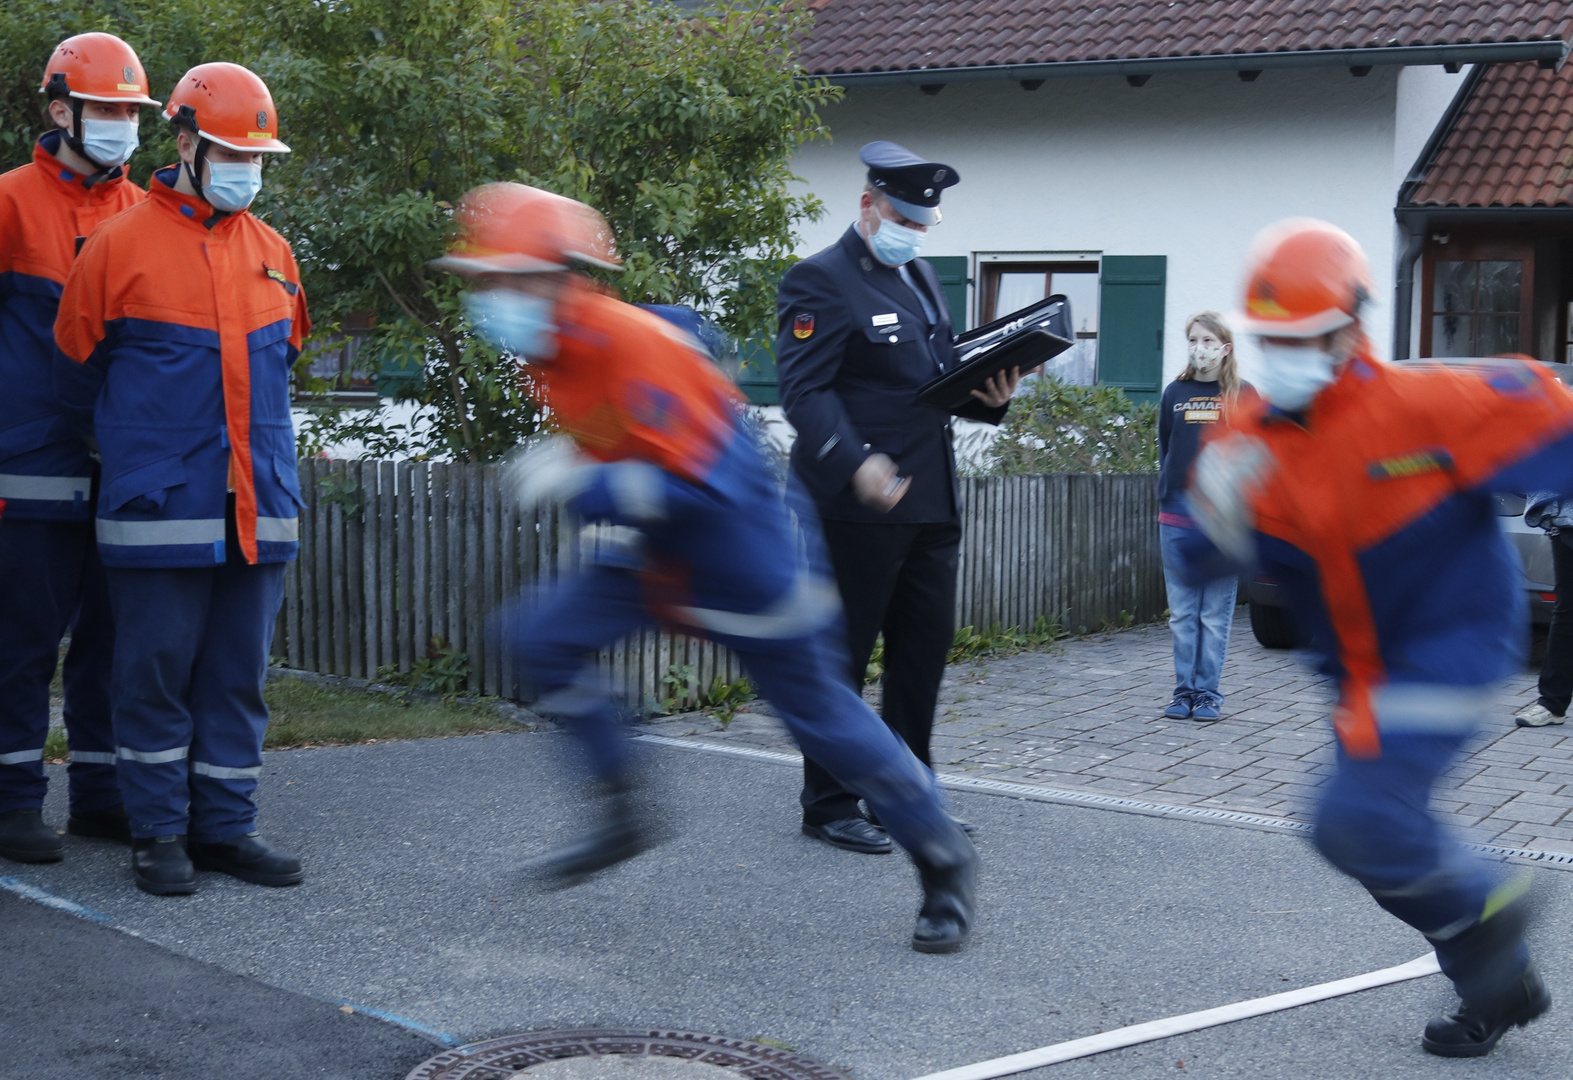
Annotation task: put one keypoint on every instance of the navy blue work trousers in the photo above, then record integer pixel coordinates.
(1375, 824)
(51, 581)
(189, 715)
(555, 640)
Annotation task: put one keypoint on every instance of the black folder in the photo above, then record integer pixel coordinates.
(1023, 339)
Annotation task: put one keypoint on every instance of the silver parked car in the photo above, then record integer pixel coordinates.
(1274, 629)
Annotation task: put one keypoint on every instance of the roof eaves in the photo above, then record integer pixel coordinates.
(1490, 52)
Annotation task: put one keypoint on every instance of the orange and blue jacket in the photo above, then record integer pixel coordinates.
(46, 212)
(176, 333)
(1377, 517)
(641, 397)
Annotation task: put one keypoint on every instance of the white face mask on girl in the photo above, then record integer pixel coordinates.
(1206, 358)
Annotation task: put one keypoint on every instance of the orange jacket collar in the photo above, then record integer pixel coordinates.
(190, 207)
(45, 159)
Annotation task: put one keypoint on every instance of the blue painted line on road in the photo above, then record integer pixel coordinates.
(48, 899)
(1555, 859)
(29, 891)
(402, 1021)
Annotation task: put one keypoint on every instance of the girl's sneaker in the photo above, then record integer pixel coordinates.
(1180, 707)
(1205, 709)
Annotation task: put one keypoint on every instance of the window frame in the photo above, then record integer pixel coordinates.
(1467, 249)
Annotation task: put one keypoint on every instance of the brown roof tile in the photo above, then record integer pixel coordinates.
(903, 35)
(1510, 145)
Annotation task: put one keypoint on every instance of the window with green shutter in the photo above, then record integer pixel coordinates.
(1130, 334)
(952, 272)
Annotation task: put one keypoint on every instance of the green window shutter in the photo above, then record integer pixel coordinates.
(757, 376)
(952, 271)
(1130, 324)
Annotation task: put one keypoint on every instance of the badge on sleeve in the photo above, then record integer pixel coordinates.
(803, 326)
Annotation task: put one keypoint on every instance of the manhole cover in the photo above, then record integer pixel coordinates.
(607, 1054)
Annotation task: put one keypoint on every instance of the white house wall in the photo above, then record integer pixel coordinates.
(1190, 167)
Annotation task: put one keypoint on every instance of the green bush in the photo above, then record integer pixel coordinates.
(1056, 428)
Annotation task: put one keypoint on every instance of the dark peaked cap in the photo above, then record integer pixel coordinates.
(912, 185)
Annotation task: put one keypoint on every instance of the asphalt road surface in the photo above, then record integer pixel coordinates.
(415, 906)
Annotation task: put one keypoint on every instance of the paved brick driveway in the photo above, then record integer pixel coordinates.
(1086, 718)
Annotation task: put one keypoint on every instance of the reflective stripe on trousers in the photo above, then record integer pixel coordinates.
(154, 757)
(220, 772)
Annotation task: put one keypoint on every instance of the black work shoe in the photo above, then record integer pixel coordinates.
(100, 825)
(950, 899)
(1477, 1025)
(852, 834)
(618, 837)
(160, 866)
(248, 858)
(25, 838)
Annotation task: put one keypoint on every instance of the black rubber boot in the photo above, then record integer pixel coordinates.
(950, 900)
(250, 859)
(100, 825)
(25, 838)
(160, 866)
(619, 836)
(1477, 1025)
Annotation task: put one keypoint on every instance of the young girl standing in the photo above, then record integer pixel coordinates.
(1200, 615)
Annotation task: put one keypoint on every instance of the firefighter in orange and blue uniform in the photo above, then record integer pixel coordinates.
(176, 334)
(49, 565)
(1366, 489)
(656, 447)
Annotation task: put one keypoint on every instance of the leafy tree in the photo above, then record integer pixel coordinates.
(1053, 427)
(678, 127)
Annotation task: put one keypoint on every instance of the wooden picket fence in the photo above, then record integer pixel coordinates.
(401, 561)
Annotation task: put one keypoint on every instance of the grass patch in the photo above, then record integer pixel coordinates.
(305, 713)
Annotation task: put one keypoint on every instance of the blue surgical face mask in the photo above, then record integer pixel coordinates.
(109, 142)
(232, 184)
(895, 244)
(1292, 375)
(513, 321)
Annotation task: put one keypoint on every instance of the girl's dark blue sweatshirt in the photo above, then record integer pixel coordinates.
(1187, 409)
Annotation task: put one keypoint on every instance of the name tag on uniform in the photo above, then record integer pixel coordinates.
(886, 320)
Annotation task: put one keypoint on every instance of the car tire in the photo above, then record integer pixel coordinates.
(1273, 626)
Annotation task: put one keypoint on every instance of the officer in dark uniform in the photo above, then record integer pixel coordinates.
(862, 326)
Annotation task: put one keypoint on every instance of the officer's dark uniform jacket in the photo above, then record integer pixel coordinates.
(852, 350)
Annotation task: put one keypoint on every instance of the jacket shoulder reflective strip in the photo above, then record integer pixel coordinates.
(156, 533)
(22, 757)
(45, 488)
(812, 602)
(91, 757)
(153, 757)
(221, 772)
(277, 530)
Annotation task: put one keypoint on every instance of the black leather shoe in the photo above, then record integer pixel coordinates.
(950, 899)
(25, 838)
(248, 858)
(160, 866)
(101, 825)
(852, 834)
(1477, 1025)
(618, 837)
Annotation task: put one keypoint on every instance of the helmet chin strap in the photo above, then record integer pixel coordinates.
(72, 136)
